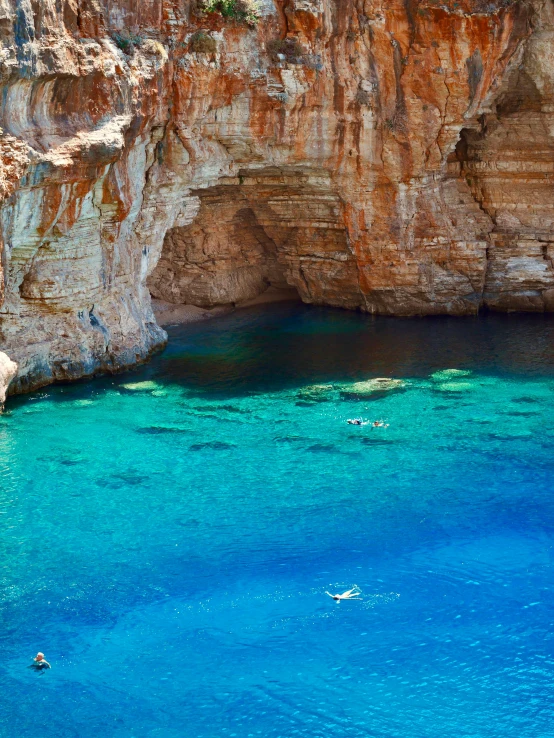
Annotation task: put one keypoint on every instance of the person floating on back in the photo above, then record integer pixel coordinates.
(39, 663)
(350, 594)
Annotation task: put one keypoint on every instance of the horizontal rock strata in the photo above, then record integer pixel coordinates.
(390, 156)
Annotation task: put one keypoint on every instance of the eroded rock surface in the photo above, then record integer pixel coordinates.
(393, 156)
(8, 370)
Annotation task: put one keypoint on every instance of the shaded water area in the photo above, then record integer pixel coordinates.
(167, 536)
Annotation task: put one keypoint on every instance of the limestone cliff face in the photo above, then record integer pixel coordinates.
(393, 156)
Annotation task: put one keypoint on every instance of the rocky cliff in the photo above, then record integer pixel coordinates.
(393, 156)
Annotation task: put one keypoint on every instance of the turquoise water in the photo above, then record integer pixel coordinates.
(168, 535)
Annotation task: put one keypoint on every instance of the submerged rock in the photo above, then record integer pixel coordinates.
(372, 388)
(452, 380)
(446, 375)
(326, 448)
(147, 386)
(315, 393)
(214, 445)
(454, 386)
(157, 430)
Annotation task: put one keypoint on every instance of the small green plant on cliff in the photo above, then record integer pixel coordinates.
(127, 42)
(244, 11)
(202, 43)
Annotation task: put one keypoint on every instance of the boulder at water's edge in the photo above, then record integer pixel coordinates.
(8, 370)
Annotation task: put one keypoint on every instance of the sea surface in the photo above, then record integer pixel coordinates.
(167, 536)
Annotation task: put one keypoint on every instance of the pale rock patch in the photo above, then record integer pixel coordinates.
(8, 370)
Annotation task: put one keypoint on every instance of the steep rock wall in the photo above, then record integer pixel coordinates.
(392, 156)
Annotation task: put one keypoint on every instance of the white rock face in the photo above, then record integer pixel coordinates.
(8, 370)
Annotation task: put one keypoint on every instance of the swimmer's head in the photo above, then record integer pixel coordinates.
(39, 656)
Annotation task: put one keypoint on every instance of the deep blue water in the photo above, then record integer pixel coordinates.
(167, 535)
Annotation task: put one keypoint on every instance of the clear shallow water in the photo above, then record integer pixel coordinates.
(167, 535)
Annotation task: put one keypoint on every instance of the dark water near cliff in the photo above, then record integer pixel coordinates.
(167, 536)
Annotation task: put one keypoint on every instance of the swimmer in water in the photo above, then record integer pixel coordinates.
(39, 663)
(350, 594)
(379, 424)
(356, 421)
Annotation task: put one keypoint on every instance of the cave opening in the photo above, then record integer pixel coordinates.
(264, 236)
(225, 256)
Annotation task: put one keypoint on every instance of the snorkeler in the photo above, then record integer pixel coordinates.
(356, 421)
(350, 594)
(39, 663)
